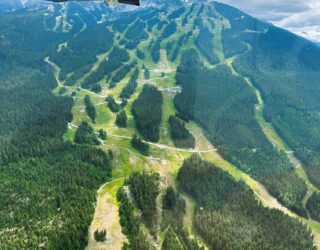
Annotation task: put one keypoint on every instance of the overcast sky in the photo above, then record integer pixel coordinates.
(299, 16)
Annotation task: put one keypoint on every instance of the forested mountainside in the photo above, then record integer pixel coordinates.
(173, 126)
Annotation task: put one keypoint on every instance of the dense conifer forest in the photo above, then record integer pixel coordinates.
(56, 192)
(180, 135)
(291, 111)
(116, 58)
(43, 179)
(228, 216)
(56, 164)
(121, 120)
(139, 145)
(204, 42)
(227, 114)
(130, 88)
(144, 188)
(112, 104)
(86, 135)
(90, 108)
(313, 206)
(147, 112)
(131, 225)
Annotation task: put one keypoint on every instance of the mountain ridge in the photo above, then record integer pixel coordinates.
(224, 78)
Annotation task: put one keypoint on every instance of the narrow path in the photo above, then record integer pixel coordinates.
(162, 146)
(98, 104)
(93, 93)
(84, 25)
(130, 151)
(153, 79)
(56, 70)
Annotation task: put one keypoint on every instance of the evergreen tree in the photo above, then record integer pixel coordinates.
(90, 108)
(121, 120)
(138, 144)
(62, 90)
(140, 54)
(130, 88)
(100, 236)
(145, 190)
(146, 74)
(171, 241)
(86, 135)
(313, 206)
(169, 199)
(113, 106)
(96, 88)
(102, 134)
(180, 135)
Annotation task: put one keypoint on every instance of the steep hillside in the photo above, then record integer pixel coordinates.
(85, 88)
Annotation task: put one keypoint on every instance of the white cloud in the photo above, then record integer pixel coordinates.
(300, 17)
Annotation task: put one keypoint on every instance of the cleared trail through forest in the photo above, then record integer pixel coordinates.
(162, 146)
(274, 138)
(106, 217)
(259, 190)
(56, 70)
(279, 144)
(207, 151)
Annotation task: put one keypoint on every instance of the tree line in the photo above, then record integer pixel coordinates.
(180, 135)
(228, 216)
(223, 104)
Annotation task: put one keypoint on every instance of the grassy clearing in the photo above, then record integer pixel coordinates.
(167, 110)
(164, 161)
(106, 217)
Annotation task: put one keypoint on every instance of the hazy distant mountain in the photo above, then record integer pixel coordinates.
(12, 5)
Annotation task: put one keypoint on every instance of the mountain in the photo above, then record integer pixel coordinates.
(12, 5)
(175, 125)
